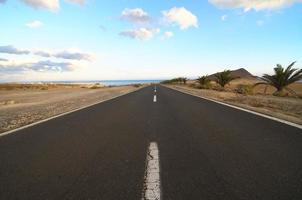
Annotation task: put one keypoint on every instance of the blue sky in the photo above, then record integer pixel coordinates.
(143, 39)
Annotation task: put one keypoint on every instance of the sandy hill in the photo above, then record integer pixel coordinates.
(238, 73)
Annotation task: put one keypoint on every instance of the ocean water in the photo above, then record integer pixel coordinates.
(111, 82)
(127, 82)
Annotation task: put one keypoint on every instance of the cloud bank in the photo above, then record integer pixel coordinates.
(17, 66)
(39, 66)
(12, 50)
(65, 54)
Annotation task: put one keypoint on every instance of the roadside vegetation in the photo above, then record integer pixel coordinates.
(278, 94)
(179, 80)
(224, 78)
(281, 82)
(281, 79)
(204, 82)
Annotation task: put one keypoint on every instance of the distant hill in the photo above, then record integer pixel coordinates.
(238, 73)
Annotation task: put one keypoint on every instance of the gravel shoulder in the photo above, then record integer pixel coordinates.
(286, 108)
(22, 107)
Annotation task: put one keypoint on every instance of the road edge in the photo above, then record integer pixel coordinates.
(65, 113)
(239, 108)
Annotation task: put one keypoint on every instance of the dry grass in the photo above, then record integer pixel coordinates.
(287, 108)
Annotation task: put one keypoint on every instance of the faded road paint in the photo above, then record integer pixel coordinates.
(152, 174)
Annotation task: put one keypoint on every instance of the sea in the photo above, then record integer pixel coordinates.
(106, 82)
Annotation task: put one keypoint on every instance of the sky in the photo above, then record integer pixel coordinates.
(74, 40)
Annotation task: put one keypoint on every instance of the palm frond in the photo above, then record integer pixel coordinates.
(282, 77)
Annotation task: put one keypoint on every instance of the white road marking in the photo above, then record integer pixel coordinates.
(242, 109)
(154, 99)
(152, 177)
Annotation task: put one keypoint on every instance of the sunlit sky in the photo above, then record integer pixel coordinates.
(143, 39)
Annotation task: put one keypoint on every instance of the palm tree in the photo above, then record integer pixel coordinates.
(223, 78)
(282, 78)
(203, 80)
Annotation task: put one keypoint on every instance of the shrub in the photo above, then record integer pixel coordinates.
(204, 82)
(95, 86)
(244, 89)
(137, 85)
(180, 80)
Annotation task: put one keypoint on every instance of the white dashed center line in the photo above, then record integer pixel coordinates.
(154, 99)
(152, 176)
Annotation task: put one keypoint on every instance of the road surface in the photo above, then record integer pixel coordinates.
(187, 147)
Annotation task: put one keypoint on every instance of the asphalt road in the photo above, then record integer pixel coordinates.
(206, 151)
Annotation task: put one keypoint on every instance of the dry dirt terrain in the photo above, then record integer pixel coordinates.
(24, 104)
(286, 108)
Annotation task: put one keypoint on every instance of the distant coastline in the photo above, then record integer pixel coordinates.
(103, 82)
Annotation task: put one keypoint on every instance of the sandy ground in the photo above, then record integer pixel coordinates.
(19, 107)
(286, 108)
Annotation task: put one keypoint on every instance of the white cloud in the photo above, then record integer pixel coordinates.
(168, 34)
(65, 54)
(224, 17)
(182, 17)
(42, 53)
(34, 24)
(254, 4)
(3, 60)
(141, 33)
(80, 2)
(12, 50)
(136, 15)
(72, 55)
(52, 5)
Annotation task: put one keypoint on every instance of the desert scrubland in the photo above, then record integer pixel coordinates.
(22, 104)
(259, 98)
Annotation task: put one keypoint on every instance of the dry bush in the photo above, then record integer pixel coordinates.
(137, 85)
(96, 86)
(244, 89)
